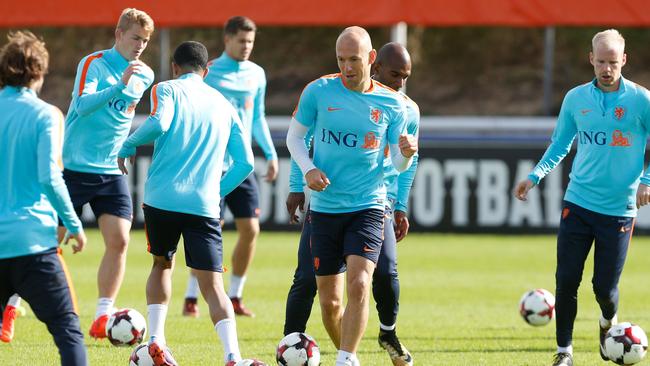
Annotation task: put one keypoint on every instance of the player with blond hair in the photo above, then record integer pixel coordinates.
(108, 86)
(609, 118)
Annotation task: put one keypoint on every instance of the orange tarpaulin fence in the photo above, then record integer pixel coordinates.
(167, 13)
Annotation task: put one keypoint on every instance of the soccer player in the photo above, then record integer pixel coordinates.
(243, 83)
(192, 126)
(353, 118)
(33, 195)
(610, 116)
(107, 88)
(392, 68)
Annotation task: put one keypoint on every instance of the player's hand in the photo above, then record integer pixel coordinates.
(79, 238)
(121, 163)
(271, 170)
(642, 195)
(134, 68)
(522, 188)
(401, 225)
(408, 145)
(295, 200)
(317, 180)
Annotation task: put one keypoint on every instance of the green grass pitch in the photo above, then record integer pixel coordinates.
(458, 304)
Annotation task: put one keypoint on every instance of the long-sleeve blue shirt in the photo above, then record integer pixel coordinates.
(33, 190)
(398, 185)
(611, 130)
(192, 126)
(243, 83)
(101, 112)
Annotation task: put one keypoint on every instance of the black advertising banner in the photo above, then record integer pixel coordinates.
(465, 189)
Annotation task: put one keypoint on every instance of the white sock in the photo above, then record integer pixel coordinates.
(236, 286)
(345, 358)
(104, 306)
(192, 287)
(606, 324)
(14, 300)
(568, 349)
(387, 328)
(227, 331)
(156, 314)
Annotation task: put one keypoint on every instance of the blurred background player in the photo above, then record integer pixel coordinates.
(33, 195)
(355, 118)
(243, 83)
(392, 68)
(604, 193)
(192, 126)
(107, 88)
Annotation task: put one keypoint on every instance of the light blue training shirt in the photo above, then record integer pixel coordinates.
(33, 190)
(350, 132)
(611, 131)
(192, 127)
(101, 112)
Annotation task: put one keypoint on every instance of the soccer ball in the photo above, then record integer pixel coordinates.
(126, 327)
(626, 344)
(247, 362)
(298, 349)
(537, 307)
(140, 356)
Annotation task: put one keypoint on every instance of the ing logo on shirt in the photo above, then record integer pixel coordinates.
(620, 139)
(375, 114)
(122, 105)
(619, 113)
(339, 138)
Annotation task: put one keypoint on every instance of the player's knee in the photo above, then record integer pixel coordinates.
(306, 284)
(605, 293)
(249, 232)
(383, 275)
(331, 307)
(567, 283)
(117, 244)
(161, 262)
(65, 329)
(358, 288)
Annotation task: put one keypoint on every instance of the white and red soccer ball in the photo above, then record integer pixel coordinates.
(298, 349)
(126, 327)
(626, 344)
(537, 307)
(140, 356)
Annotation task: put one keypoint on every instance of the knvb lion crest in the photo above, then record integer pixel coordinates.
(619, 113)
(621, 139)
(375, 114)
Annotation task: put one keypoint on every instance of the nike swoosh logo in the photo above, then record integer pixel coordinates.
(332, 109)
(368, 250)
(585, 111)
